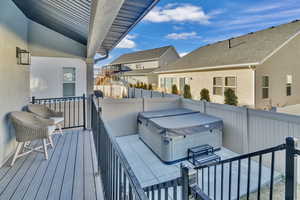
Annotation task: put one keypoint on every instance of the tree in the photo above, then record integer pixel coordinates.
(187, 92)
(230, 97)
(204, 95)
(150, 87)
(174, 89)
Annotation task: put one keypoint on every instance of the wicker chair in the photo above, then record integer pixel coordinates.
(45, 112)
(29, 127)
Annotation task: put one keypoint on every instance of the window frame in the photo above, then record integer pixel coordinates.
(68, 82)
(218, 86)
(288, 85)
(265, 87)
(232, 87)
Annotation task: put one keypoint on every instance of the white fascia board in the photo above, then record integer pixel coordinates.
(246, 65)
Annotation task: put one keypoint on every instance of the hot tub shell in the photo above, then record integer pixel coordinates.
(169, 133)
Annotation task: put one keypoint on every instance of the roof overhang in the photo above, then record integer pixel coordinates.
(242, 65)
(136, 61)
(99, 24)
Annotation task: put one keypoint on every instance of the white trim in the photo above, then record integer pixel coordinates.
(280, 47)
(207, 68)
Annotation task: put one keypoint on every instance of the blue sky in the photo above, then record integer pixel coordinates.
(190, 24)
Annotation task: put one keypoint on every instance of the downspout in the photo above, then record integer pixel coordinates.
(102, 58)
(253, 68)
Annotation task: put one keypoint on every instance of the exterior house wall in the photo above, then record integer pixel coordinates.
(143, 65)
(14, 78)
(47, 76)
(45, 42)
(285, 62)
(204, 79)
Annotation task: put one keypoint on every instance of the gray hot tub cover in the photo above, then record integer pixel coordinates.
(180, 122)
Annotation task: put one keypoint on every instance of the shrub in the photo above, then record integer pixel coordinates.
(145, 87)
(174, 89)
(130, 85)
(187, 92)
(204, 95)
(230, 97)
(138, 85)
(150, 87)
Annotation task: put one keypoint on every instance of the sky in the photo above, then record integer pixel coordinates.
(190, 24)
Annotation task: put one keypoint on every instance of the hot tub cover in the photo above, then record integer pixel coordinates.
(180, 121)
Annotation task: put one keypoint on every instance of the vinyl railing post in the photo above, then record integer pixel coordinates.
(290, 169)
(189, 180)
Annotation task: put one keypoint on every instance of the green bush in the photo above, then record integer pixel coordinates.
(187, 92)
(130, 85)
(204, 95)
(138, 85)
(145, 87)
(174, 89)
(230, 97)
(150, 87)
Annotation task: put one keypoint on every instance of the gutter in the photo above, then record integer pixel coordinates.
(246, 65)
(102, 58)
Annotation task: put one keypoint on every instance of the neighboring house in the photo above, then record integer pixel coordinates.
(139, 66)
(57, 77)
(261, 67)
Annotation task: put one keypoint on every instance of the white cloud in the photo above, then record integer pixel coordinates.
(178, 13)
(182, 36)
(183, 54)
(127, 42)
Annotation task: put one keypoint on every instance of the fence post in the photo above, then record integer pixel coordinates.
(33, 100)
(84, 112)
(290, 169)
(189, 180)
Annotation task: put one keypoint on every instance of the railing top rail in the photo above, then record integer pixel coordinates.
(166, 184)
(127, 169)
(245, 156)
(59, 98)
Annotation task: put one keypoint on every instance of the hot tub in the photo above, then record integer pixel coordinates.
(169, 133)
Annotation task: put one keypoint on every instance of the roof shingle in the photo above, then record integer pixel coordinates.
(249, 48)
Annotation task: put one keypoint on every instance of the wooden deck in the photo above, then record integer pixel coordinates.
(68, 174)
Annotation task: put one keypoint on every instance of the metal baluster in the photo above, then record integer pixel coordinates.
(272, 175)
(222, 180)
(215, 181)
(74, 112)
(208, 181)
(166, 191)
(248, 178)
(239, 179)
(130, 192)
(259, 177)
(229, 191)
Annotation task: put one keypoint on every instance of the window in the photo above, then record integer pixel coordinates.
(218, 86)
(230, 82)
(289, 81)
(182, 82)
(265, 87)
(69, 81)
(162, 83)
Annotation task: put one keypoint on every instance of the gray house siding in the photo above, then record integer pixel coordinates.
(14, 79)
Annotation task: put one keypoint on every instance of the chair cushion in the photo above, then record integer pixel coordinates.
(57, 119)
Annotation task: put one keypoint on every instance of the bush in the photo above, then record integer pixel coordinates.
(204, 95)
(187, 92)
(174, 89)
(230, 97)
(150, 87)
(138, 85)
(145, 87)
(130, 85)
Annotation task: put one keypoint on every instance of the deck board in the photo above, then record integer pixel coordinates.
(69, 173)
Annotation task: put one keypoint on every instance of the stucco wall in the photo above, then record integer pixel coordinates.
(204, 79)
(14, 79)
(285, 62)
(47, 43)
(47, 76)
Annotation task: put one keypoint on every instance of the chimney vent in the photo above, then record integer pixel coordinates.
(229, 43)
